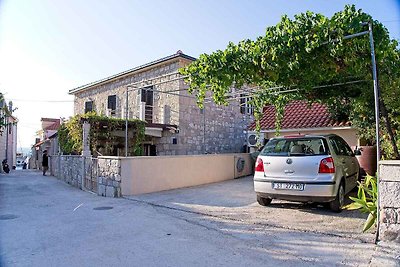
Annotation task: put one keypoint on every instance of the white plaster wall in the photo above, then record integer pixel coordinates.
(141, 175)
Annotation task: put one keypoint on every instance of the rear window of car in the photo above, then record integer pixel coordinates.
(305, 146)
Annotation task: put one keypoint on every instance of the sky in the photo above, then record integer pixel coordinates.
(50, 47)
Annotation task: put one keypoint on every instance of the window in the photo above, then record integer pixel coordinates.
(245, 107)
(311, 146)
(341, 147)
(146, 96)
(88, 106)
(112, 102)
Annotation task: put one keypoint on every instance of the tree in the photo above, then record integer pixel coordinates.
(309, 55)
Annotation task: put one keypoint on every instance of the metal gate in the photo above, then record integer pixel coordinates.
(91, 174)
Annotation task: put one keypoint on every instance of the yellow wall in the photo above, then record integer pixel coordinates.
(141, 175)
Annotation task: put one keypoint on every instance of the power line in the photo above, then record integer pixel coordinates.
(42, 101)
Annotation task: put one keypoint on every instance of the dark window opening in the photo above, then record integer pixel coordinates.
(174, 140)
(147, 96)
(88, 106)
(153, 150)
(112, 102)
(149, 150)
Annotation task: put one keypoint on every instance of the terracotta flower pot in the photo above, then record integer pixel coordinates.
(367, 160)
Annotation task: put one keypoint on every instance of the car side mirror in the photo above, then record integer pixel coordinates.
(357, 152)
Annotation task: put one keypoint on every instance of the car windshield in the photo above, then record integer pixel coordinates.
(306, 146)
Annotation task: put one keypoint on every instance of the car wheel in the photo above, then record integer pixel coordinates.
(264, 201)
(338, 203)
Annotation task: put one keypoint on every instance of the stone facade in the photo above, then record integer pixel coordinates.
(216, 129)
(109, 177)
(389, 200)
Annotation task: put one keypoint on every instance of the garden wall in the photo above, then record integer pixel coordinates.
(109, 177)
(70, 169)
(101, 176)
(389, 200)
(117, 176)
(153, 174)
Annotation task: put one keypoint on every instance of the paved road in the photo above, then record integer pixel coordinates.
(235, 200)
(44, 222)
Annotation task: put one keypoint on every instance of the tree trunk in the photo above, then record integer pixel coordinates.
(389, 128)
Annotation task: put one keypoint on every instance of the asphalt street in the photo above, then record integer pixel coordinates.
(45, 222)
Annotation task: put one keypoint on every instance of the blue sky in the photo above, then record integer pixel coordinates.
(49, 47)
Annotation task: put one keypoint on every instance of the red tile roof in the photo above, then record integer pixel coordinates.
(298, 115)
(49, 119)
(54, 126)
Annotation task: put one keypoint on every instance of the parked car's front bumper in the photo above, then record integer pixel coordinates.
(313, 191)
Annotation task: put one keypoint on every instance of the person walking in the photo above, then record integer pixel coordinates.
(45, 162)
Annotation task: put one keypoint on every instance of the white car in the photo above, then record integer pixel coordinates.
(306, 168)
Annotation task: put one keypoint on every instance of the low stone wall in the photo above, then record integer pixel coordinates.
(117, 176)
(70, 169)
(102, 176)
(389, 200)
(109, 177)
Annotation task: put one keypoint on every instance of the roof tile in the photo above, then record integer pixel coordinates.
(298, 114)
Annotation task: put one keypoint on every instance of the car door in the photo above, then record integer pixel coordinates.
(347, 162)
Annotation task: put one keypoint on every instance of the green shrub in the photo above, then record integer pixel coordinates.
(102, 134)
(366, 200)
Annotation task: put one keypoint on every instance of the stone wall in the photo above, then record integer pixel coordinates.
(109, 177)
(80, 171)
(389, 200)
(69, 169)
(215, 129)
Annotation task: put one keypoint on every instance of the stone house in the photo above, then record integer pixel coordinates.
(8, 135)
(156, 93)
(47, 140)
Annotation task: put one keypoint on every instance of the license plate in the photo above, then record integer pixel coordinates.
(288, 186)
